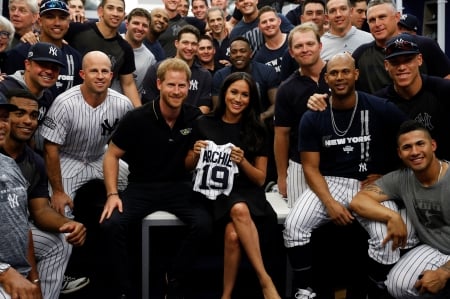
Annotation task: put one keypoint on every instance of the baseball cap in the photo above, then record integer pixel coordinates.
(46, 52)
(49, 5)
(403, 44)
(4, 103)
(409, 21)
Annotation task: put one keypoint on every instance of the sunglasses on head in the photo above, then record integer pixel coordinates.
(400, 45)
(54, 4)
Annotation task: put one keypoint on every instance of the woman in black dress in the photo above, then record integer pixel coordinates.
(245, 212)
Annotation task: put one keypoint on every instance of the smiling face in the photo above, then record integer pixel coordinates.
(199, 9)
(112, 13)
(96, 73)
(40, 75)
(187, 46)
(240, 54)
(341, 76)
(305, 48)
(159, 21)
(206, 51)
(54, 25)
(359, 16)
(24, 121)
(216, 22)
(416, 150)
(137, 29)
(237, 99)
(173, 89)
(339, 16)
(269, 24)
(404, 69)
(382, 20)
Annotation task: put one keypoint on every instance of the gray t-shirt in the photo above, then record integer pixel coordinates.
(427, 207)
(14, 224)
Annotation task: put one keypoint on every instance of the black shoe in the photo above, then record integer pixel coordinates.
(174, 289)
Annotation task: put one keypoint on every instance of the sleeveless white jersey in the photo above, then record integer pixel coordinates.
(214, 173)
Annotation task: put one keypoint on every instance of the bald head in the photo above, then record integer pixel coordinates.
(343, 59)
(95, 56)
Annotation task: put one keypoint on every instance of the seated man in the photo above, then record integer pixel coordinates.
(342, 148)
(423, 188)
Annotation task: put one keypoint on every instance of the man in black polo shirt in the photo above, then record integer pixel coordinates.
(158, 179)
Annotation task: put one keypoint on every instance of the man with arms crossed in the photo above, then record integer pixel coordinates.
(424, 188)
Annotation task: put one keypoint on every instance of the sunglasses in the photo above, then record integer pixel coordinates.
(54, 4)
(401, 44)
(4, 34)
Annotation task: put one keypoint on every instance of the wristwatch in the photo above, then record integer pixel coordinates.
(4, 267)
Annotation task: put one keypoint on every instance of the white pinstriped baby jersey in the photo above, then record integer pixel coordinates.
(214, 173)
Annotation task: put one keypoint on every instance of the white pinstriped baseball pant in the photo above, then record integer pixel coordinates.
(295, 182)
(402, 277)
(91, 171)
(309, 213)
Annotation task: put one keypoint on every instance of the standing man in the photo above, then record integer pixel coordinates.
(23, 14)
(54, 22)
(423, 188)
(104, 36)
(170, 123)
(137, 24)
(18, 271)
(248, 26)
(159, 21)
(312, 11)
(422, 97)
(382, 16)
(215, 18)
(200, 81)
(345, 147)
(342, 36)
(292, 96)
(176, 22)
(74, 149)
(275, 42)
(53, 233)
(359, 13)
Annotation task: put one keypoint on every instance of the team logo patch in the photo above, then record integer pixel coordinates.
(49, 123)
(186, 131)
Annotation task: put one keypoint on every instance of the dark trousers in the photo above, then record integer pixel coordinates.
(139, 200)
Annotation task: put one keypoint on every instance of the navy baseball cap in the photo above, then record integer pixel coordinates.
(53, 5)
(46, 52)
(409, 21)
(403, 44)
(4, 103)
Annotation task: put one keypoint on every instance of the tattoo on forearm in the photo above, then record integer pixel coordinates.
(374, 188)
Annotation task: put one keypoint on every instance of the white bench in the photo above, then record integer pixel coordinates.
(161, 218)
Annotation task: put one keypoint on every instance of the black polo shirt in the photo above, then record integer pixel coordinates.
(154, 151)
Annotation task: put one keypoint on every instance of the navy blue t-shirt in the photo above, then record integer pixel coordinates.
(368, 147)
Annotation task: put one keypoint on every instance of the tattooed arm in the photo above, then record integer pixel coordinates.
(367, 203)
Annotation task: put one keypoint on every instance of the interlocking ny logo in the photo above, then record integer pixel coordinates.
(53, 51)
(107, 128)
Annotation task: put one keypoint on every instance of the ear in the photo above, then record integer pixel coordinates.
(158, 84)
(82, 74)
(419, 59)
(356, 74)
(386, 65)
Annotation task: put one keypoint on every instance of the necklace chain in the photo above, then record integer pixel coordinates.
(336, 130)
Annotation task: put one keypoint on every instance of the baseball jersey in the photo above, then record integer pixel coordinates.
(427, 207)
(14, 224)
(214, 173)
(81, 130)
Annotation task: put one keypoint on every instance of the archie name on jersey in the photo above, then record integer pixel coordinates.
(211, 156)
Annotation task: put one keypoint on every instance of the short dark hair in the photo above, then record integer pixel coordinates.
(243, 39)
(265, 9)
(313, 1)
(188, 29)
(139, 12)
(20, 93)
(412, 125)
(206, 37)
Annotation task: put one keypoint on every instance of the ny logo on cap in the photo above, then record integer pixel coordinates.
(53, 51)
(403, 17)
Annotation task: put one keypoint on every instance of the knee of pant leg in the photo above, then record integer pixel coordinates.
(112, 225)
(202, 226)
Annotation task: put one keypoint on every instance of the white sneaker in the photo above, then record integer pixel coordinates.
(73, 284)
(304, 294)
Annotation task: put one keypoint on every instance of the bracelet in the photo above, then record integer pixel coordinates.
(111, 194)
(36, 281)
